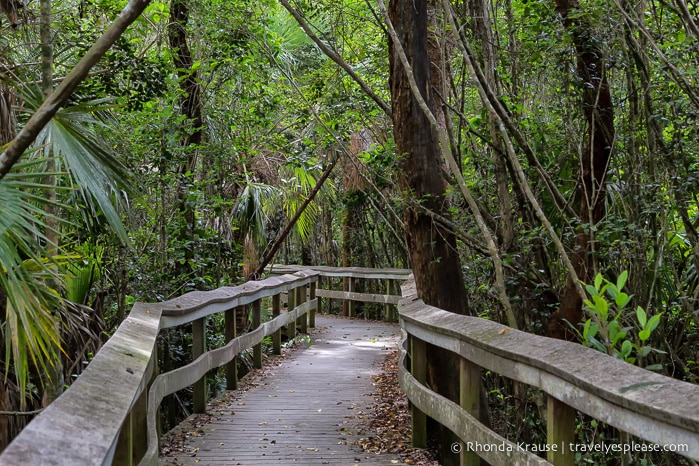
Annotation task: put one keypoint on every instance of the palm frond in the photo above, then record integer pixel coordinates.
(103, 181)
(305, 225)
(26, 272)
(253, 206)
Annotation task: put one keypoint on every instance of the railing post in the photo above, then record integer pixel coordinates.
(198, 348)
(560, 431)
(291, 328)
(418, 368)
(329, 282)
(302, 321)
(256, 321)
(312, 312)
(230, 332)
(470, 400)
(276, 336)
(350, 303)
(387, 306)
(124, 451)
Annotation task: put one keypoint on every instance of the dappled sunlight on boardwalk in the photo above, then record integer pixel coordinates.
(310, 410)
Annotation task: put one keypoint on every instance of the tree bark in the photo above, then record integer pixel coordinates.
(599, 114)
(433, 255)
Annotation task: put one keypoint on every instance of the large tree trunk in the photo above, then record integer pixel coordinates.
(599, 114)
(433, 255)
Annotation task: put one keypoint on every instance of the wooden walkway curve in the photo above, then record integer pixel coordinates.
(308, 410)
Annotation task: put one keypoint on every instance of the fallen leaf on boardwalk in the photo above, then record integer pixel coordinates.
(262, 424)
(320, 410)
(312, 449)
(503, 331)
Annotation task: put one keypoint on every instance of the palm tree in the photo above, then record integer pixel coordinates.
(32, 277)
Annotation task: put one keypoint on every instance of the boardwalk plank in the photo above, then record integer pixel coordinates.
(310, 410)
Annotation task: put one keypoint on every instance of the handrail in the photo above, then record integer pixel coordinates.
(656, 408)
(95, 420)
(350, 272)
(350, 275)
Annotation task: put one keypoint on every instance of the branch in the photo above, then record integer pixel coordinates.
(467, 53)
(60, 96)
(21, 413)
(335, 57)
(285, 232)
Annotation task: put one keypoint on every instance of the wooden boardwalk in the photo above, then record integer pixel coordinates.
(310, 410)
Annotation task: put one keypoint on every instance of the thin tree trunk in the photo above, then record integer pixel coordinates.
(347, 248)
(480, 16)
(190, 107)
(599, 114)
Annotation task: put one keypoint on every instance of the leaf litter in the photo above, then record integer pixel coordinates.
(390, 421)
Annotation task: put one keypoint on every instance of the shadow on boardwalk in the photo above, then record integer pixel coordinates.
(308, 410)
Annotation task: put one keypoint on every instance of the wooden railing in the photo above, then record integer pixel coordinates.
(108, 415)
(109, 412)
(658, 409)
(392, 279)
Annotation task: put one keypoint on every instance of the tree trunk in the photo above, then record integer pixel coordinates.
(433, 255)
(190, 106)
(347, 249)
(599, 114)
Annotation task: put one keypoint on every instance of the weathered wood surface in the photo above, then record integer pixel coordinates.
(72, 430)
(308, 410)
(658, 409)
(463, 424)
(83, 425)
(363, 297)
(354, 272)
(197, 304)
(185, 376)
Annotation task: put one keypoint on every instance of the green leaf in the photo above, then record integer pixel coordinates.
(591, 290)
(622, 299)
(644, 334)
(641, 316)
(598, 281)
(626, 348)
(653, 322)
(601, 307)
(589, 331)
(654, 367)
(621, 281)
